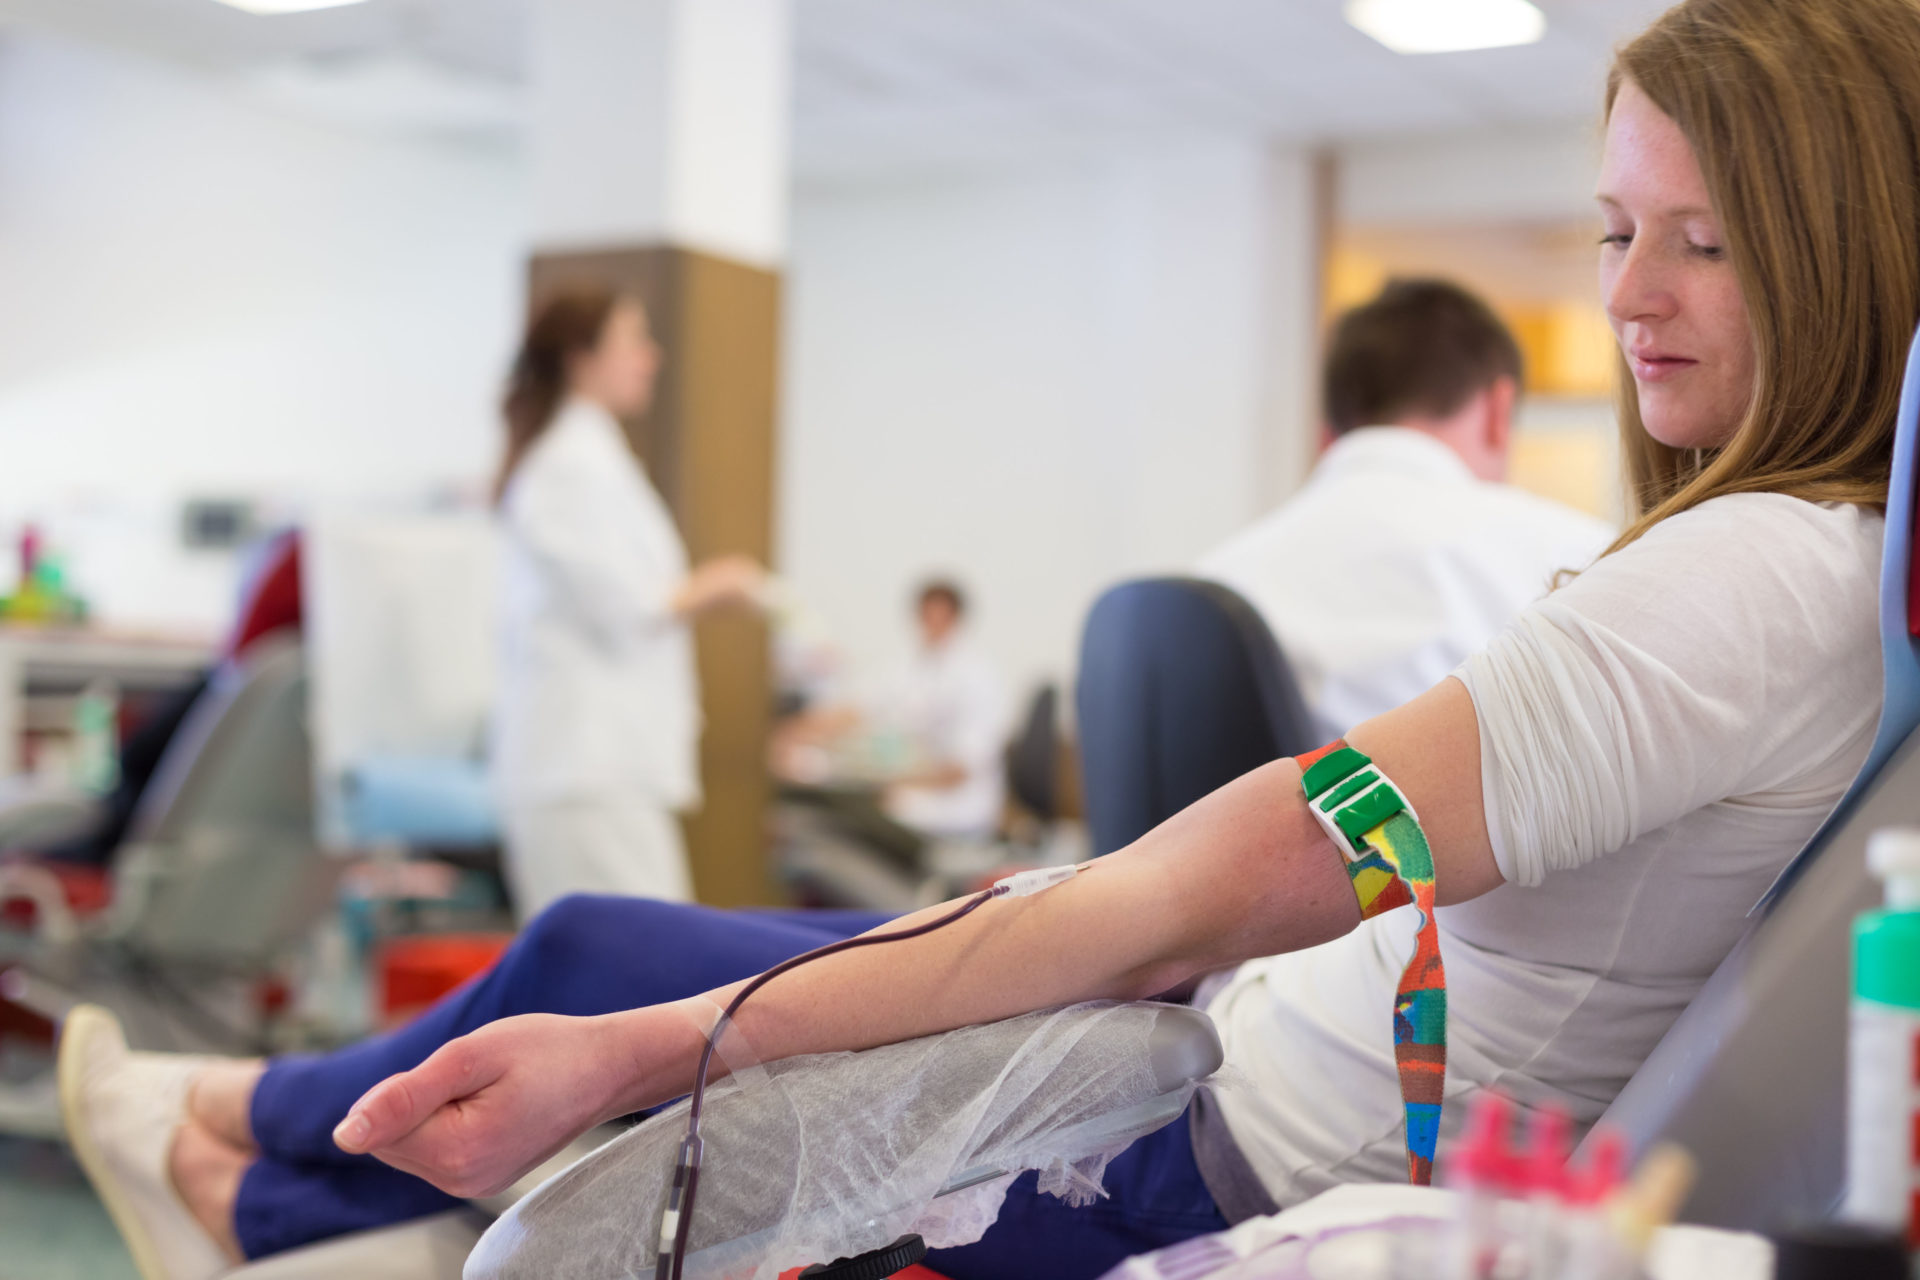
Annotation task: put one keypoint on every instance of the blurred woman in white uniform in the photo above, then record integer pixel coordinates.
(596, 740)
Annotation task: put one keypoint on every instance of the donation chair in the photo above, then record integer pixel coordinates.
(1182, 689)
(218, 879)
(1752, 1077)
(1033, 758)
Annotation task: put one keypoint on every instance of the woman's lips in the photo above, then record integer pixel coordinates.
(1654, 367)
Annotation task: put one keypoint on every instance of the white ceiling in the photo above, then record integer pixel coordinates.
(882, 84)
(896, 79)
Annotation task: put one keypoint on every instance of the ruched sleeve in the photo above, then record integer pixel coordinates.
(1697, 665)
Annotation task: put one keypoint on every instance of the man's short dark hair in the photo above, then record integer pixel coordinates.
(944, 589)
(1422, 349)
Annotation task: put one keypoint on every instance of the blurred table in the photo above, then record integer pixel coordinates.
(52, 664)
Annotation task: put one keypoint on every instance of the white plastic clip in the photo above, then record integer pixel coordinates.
(1023, 883)
(1327, 816)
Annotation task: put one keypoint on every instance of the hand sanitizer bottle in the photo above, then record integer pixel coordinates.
(1883, 1050)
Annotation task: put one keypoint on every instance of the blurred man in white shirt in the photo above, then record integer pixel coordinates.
(1405, 551)
(949, 701)
(931, 731)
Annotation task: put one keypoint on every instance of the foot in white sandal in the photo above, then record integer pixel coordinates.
(121, 1109)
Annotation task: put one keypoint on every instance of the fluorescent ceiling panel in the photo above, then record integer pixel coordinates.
(1447, 26)
(287, 6)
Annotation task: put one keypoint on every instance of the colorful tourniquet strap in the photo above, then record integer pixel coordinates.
(1390, 865)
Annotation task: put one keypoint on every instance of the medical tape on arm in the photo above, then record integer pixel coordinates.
(1390, 865)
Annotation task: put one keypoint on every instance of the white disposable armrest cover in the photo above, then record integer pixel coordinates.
(810, 1159)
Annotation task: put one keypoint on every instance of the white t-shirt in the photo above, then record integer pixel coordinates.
(599, 694)
(1658, 739)
(951, 703)
(1391, 565)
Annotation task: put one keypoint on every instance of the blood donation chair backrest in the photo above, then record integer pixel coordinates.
(1182, 689)
(1032, 758)
(1752, 1078)
(221, 866)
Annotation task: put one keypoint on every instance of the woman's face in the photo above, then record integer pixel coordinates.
(620, 371)
(1669, 290)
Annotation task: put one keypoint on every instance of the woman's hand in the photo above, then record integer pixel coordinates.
(724, 582)
(488, 1107)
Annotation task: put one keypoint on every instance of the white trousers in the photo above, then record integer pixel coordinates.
(593, 845)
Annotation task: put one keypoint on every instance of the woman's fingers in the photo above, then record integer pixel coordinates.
(451, 1151)
(400, 1104)
(472, 1151)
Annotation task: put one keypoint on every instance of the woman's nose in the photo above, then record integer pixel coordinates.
(1637, 287)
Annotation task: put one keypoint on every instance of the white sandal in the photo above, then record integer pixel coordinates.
(121, 1109)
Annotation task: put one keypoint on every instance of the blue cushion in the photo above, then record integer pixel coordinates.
(421, 800)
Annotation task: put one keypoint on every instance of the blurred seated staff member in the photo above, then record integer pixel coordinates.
(1605, 789)
(947, 707)
(1420, 388)
(595, 749)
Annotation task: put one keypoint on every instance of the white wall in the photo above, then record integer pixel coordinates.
(206, 297)
(1540, 174)
(1040, 381)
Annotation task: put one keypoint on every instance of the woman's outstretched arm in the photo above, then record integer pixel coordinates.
(1245, 872)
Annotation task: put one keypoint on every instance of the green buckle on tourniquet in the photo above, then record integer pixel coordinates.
(1331, 768)
(1350, 797)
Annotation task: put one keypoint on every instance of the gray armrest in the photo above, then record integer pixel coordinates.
(424, 1249)
(820, 1157)
(432, 1248)
(34, 811)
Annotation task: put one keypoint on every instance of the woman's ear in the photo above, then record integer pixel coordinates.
(1503, 400)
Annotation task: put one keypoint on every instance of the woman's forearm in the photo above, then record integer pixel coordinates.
(1244, 873)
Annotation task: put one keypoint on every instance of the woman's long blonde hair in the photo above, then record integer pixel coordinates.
(1805, 118)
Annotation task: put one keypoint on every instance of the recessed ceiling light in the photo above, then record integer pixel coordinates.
(1446, 26)
(287, 6)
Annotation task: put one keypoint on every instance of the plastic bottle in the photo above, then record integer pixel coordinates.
(96, 737)
(1883, 1051)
